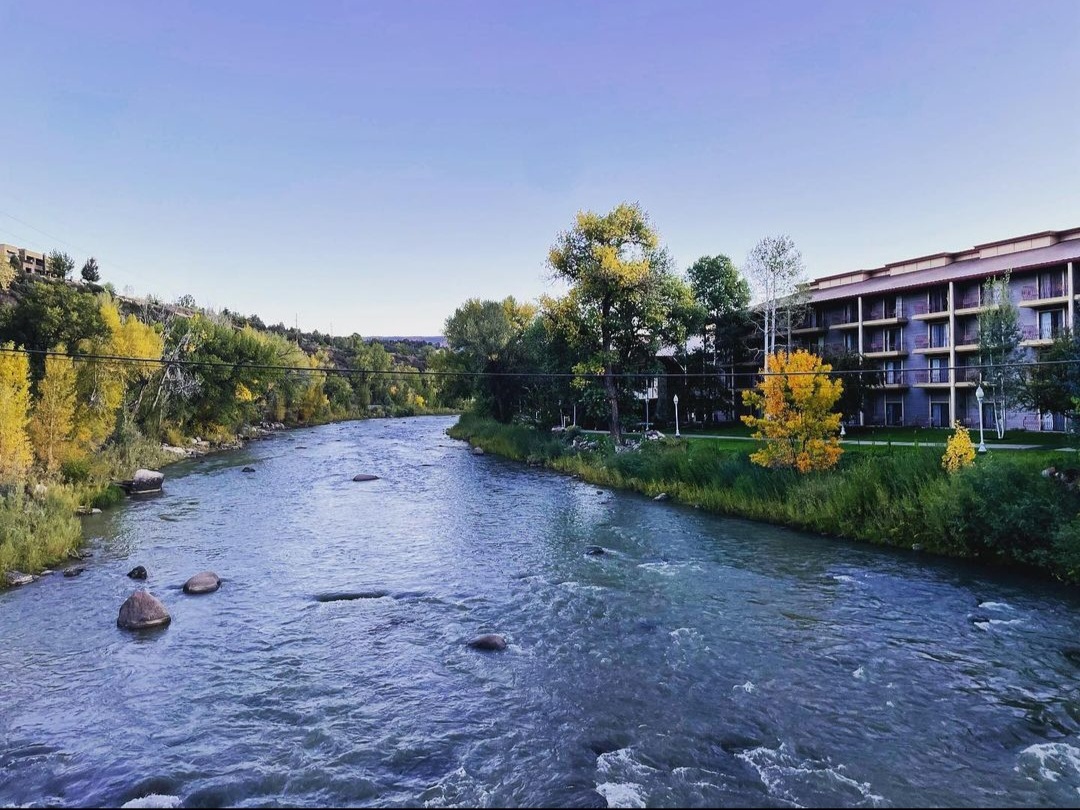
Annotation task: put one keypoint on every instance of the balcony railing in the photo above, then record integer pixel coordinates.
(889, 377)
(1037, 292)
(970, 301)
(967, 338)
(1042, 332)
(924, 342)
(933, 308)
(881, 312)
(841, 319)
(879, 346)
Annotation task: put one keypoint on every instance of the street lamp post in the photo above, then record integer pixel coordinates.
(675, 399)
(979, 394)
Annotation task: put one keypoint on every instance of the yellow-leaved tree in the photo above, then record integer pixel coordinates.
(794, 401)
(16, 454)
(53, 415)
(959, 451)
(103, 384)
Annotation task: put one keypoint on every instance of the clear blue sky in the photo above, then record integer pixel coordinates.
(368, 166)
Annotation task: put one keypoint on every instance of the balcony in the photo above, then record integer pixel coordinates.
(968, 341)
(891, 381)
(1040, 335)
(882, 315)
(812, 326)
(971, 304)
(1040, 295)
(921, 311)
(845, 320)
(931, 378)
(884, 350)
(923, 345)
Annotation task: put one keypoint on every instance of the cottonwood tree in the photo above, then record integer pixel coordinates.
(999, 348)
(7, 272)
(775, 269)
(624, 300)
(16, 453)
(723, 297)
(53, 416)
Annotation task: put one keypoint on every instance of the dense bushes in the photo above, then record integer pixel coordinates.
(1001, 509)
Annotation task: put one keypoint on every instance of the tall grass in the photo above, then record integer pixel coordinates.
(1000, 510)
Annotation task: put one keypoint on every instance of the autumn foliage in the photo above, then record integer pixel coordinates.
(959, 451)
(794, 402)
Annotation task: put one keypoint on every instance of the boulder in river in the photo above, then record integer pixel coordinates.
(595, 551)
(663, 496)
(248, 469)
(478, 451)
(365, 477)
(142, 610)
(138, 572)
(75, 571)
(13, 578)
(143, 481)
(203, 582)
(489, 642)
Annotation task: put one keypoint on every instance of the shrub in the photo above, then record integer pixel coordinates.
(959, 451)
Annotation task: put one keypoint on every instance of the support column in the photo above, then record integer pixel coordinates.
(862, 414)
(952, 355)
(1070, 287)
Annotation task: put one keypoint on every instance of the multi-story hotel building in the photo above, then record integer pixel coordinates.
(917, 320)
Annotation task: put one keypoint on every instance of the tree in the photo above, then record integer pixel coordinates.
(775, 268)
(16, 454)
(1053, 384)
(624, 299)
(53, 414)
(999, 348)
(959, 451)
(859, 382)
(60, 264)
(795, 398)
(7, 272)
(90, 272)
(723, 296)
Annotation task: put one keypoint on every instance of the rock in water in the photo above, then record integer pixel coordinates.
(141, 610)
(147, 481)
(248, 469)
(138, 572)
(74, 572)
(13, 578)
(365, 477)
(489, 641)
(663, 496)
(155, 801)
(478, 451)
(204, 582)
(595, 551)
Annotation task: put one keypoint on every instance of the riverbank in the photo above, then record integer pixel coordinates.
(1002, 510)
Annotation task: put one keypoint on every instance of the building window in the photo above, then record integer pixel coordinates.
(939, 413)
(937, 335)
(937, 300)
(893, 372)
(894, 412)
(1051, 324)
(851, 342)
(937, 370)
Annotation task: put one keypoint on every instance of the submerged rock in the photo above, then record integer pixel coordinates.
(142, 610)
(663, 496)
(365, 477)
(248, 469)
(203, 582)
(595, 551)
(74, 572)
(138, 572)
(350, 596)
(491, 642)
(478, 451)
(13, 578)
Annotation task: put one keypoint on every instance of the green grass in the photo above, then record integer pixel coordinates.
(1001, 510)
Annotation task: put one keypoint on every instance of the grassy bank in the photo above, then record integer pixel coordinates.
(1002, 510)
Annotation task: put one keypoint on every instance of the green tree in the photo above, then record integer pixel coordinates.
(90, 272)
(7, 272)
(859, 381)
(53, 416)
(723, 297)
(999, 348)
(1053, 384)
(60, 264)
(624, 300)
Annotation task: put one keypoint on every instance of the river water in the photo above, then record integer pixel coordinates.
(701, 661)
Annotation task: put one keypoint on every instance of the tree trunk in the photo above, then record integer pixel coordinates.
(613, 403)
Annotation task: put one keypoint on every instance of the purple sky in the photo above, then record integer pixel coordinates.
(367, 167)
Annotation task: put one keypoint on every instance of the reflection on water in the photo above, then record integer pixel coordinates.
(696, 661)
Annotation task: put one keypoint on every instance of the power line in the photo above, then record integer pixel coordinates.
(633, 375)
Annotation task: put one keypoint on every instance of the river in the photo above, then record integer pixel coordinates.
(700, 661)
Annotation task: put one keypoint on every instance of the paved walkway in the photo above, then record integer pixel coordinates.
(857, 442)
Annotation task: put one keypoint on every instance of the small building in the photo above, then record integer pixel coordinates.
(31, 262)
